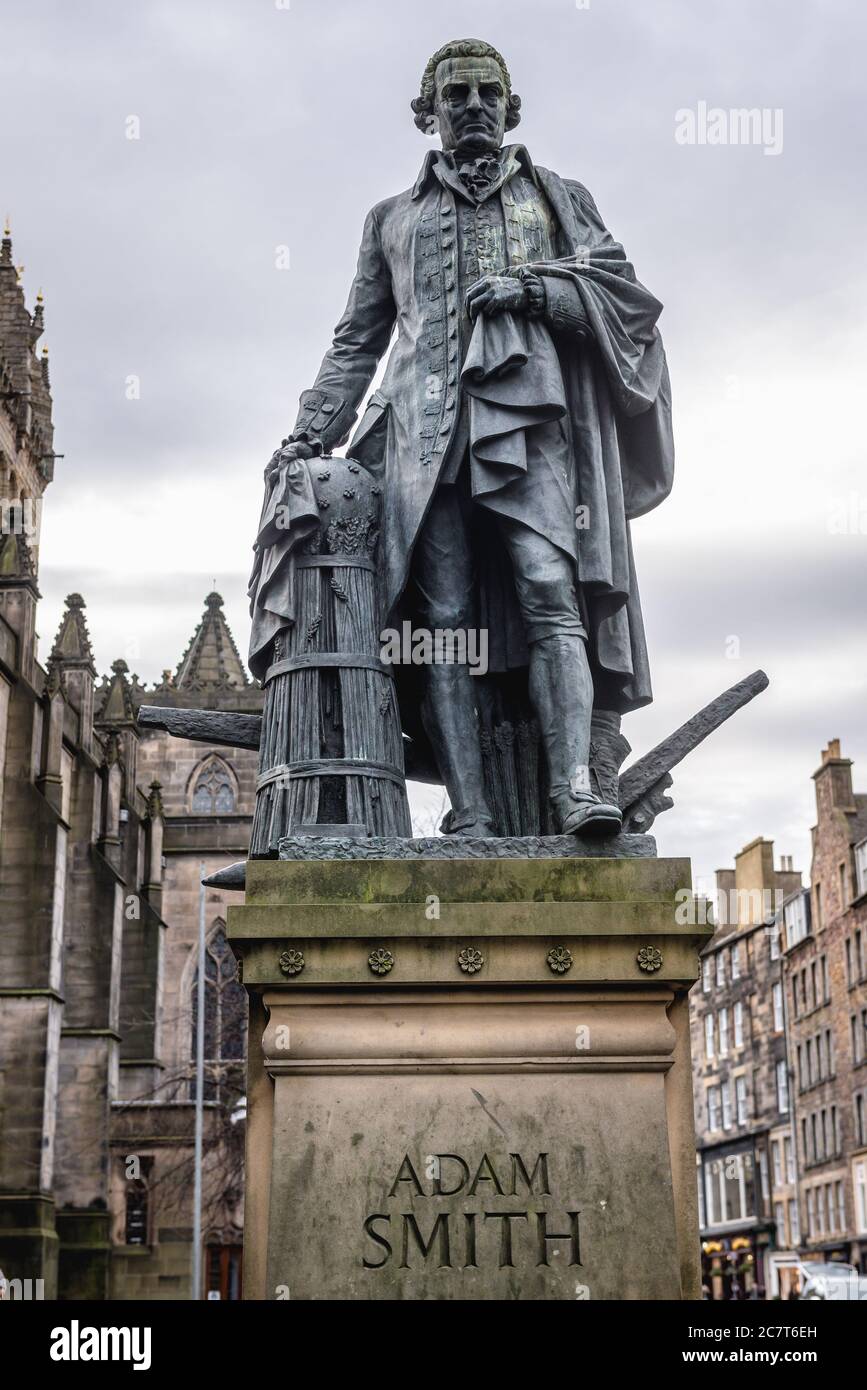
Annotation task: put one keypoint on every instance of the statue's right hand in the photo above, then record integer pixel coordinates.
(289, 449)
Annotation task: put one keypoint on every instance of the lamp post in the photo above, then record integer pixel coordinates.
(200, 1095)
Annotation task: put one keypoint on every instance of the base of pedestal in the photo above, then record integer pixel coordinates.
(473, 1080)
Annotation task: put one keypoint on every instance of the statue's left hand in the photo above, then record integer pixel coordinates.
(493, 294)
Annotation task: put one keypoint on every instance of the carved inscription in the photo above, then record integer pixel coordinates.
(444, 1211)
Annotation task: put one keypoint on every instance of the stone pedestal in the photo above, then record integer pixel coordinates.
(469, 1079)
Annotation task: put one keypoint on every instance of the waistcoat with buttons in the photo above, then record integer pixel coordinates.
(514, 226)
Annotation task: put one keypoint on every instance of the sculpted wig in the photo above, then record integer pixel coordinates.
(423, 104)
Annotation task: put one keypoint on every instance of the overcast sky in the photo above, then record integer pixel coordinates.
(266, 125)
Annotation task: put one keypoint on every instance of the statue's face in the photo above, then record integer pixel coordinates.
(470, 104)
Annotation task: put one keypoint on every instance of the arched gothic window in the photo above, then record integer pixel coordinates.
(136, 1222)
(213, 793)
(225, 1021)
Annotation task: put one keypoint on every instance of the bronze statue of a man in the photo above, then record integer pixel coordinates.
(524, 418)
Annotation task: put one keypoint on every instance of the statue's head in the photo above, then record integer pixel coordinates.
(466, 97)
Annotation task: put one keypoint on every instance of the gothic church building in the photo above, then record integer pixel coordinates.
(103, 828)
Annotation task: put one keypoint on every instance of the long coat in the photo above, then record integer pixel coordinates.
(615, 379)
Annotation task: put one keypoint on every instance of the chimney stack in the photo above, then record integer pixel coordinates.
(834, 782)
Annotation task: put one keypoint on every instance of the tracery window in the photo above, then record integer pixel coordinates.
(213, 793)
(225, 1021)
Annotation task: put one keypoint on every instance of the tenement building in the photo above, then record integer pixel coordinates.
(779, 1042)
(103, 828)
(825, 973)
(746, 1171)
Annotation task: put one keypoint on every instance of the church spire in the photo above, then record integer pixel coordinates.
(71, 667)
(37, 322)
(72, 643)
(27, 460)
(16, 557)
(115, 696)
(211, 661)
